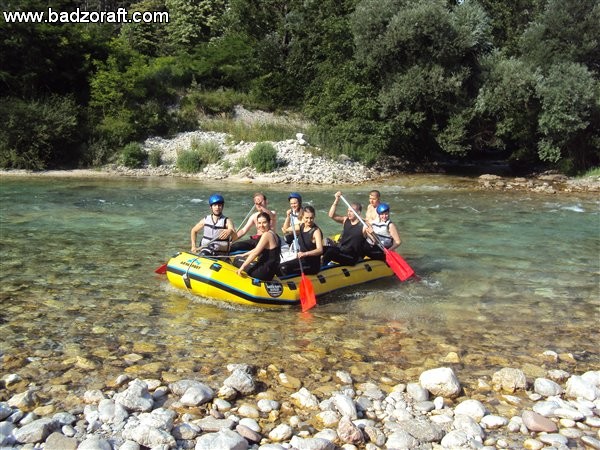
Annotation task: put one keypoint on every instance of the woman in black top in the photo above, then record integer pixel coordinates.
(267, 250)
(310, 241)
(350, 247)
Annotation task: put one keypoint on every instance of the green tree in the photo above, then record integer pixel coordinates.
(424, 58)
(569, 121)
(37, 134)
(566, 30)
(194, 21)
(507, 109)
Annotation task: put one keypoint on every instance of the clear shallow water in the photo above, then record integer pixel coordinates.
(504, 277)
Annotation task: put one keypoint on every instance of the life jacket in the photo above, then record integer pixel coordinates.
(212, 230)
(382, 231)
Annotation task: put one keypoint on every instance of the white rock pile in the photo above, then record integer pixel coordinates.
(267, 409)
(295, 163)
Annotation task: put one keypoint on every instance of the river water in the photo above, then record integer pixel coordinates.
(504, 277)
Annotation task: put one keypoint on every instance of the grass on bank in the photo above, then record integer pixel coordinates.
(593, 172)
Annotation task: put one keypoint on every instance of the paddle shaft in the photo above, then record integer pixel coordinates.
(297, 245)
(245, 218)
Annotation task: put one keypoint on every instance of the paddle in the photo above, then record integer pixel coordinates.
(307, 291)
(400, 267)
(163, 269)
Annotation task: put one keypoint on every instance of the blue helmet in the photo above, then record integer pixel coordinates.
(296, 196)
(216, 198)
(383, 207)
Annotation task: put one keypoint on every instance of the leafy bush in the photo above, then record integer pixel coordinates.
(154, 157)
(36, 134)
(209, 151)
(199, 155)
(189, 161)
(263, 157)
(132, 155)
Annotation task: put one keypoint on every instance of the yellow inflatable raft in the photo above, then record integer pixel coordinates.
(216, 278)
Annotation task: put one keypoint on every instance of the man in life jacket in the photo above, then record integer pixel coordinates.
(218, 229)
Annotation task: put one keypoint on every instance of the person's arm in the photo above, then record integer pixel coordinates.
(251, 255)
(286, 222)
(247, 227)
(332, 214)
(273, 216)
(195, 229)
(395, 236)
(229, 232)
(318, 240)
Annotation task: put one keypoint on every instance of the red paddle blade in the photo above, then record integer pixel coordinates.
(307, 294)
(398, 265)
(161, 270)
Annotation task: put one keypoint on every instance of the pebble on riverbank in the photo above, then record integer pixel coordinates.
(253, 409)
(547, 183)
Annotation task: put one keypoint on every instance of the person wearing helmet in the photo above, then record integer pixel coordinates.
(218, 229)
(352, 242)
(381, 232)
(293, 216)
(260, 203)
(374, 201)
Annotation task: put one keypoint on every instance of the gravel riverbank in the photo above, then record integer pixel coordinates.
(299, 163)
(265, 408)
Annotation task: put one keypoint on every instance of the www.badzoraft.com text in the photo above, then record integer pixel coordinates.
(82, 16)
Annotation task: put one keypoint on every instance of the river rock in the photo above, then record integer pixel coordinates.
(149, 436)
(348, 432)
(578, 386)
(111, 412)
(509, 380)
(305, 399)
(546, 387)
(247, 433)
(469, 426)
(136, 397)
(493, 422)
(94, 443)
(299, 443)
(5, 410)
(24, 400)
(345, 406)
(198, 394)
(553, 439)
(281, 432)
(441, 381)
(241, 381)
(417, 392)
(58, 441)
(225, 439)
(536, 422)
(36, 431)
(471, 408)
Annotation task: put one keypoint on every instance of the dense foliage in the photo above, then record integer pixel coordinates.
(424, 80)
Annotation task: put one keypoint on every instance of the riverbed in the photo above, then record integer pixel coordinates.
(503, 277)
